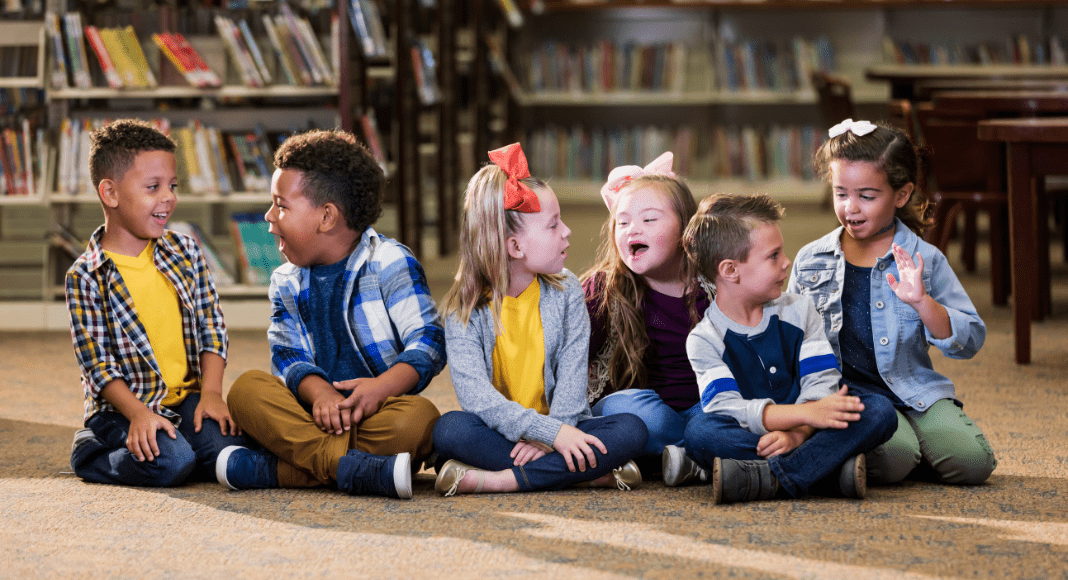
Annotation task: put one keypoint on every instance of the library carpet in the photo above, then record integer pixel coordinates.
(1014, 526)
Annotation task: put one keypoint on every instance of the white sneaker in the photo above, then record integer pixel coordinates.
(679, 469)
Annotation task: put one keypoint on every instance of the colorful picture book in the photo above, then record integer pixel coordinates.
(256, 248)
(220, 273)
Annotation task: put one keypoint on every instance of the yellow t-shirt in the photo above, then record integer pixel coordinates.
(519, 355)
(156, 303)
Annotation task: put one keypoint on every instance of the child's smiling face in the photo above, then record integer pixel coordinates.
(647, 234)
(864, 202)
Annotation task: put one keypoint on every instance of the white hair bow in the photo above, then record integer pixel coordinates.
(624, 174)
(859, 128)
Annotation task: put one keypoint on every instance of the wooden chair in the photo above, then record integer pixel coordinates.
(967, 178)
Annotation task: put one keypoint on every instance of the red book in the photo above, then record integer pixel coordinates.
(106, 64)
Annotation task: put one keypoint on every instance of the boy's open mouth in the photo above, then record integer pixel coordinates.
(638, 249)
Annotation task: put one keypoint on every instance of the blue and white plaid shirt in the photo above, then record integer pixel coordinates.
(387, 307)
(110, 341)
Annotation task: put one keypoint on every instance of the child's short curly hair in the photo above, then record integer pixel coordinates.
(720, 229)
(114, 146)
(336, 169)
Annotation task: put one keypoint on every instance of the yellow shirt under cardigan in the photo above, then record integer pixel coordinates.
(519, 355)
(156, 302)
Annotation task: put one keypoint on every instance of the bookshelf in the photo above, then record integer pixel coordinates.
(361, 93)
(607, 83)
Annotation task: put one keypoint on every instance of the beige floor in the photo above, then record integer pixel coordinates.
(1015, 526)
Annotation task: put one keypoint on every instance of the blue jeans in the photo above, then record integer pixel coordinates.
(714, 435)
(465, 437)
(106, 459)
(666, 425)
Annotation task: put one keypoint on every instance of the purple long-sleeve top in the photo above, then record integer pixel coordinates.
(667, 323)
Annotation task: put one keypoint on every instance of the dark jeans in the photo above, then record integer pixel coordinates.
(463, 436)
(106, 459)
(721, 436)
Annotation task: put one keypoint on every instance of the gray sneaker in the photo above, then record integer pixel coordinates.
(679, 469)
(853, 477)
(735, 480)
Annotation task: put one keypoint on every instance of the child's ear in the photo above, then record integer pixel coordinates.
(727, 270)
(903, 195)
(331, 217)
(108, 191)
(514, 251)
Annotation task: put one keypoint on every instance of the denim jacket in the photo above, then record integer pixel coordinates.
(901, 339)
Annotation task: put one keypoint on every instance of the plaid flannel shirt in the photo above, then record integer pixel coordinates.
(109, 340)
(387, 306)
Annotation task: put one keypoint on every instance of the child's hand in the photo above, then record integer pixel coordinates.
(141, 440)
(835, 411)
(574, 445)
(779, 442)
(368, 395)
(910, 289)
(212, 406)
(526, 451)
(326, 415)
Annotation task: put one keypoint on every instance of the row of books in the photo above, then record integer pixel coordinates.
(210, 161)
(294, 50)
(605, 66)
(774, 66)
(23, 153)
(745, 152)
(608, 66)
(1019, 49)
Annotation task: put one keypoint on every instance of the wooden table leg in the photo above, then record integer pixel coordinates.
(1023, 245)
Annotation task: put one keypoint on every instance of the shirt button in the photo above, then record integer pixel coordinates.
(921, 404)
(882, 266)
(771, 370)
(884, 341)
(879, 304)
(814, 278)
(889, 381)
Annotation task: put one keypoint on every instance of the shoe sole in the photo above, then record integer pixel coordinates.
(857, 482)
(220, 465)
(717, 481)
(671, 463)
(402, 475)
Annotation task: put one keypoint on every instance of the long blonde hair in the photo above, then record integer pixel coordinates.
(619, 293)
(483, 275)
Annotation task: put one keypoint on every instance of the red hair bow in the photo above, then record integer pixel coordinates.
(517, 196)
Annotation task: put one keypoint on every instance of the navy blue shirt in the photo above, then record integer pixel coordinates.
(856, 339)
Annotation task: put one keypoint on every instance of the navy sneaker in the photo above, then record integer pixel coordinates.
(242, 468)
(360, 473)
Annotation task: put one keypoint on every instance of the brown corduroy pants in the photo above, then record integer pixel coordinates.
(307, 457)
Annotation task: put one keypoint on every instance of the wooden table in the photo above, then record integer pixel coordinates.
(1036, 147)
(907, 81)
(1004, 102)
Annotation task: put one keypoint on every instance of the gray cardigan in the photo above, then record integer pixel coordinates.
(566, 327)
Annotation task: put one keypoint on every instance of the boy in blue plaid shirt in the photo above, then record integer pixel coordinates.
(148, 332)
(354, 336)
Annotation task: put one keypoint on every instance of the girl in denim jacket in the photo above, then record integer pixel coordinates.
(885, 296)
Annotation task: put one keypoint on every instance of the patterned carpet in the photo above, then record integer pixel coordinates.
(1015, 526)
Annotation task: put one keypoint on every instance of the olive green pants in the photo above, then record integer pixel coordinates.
(943, 438)
(307, 457)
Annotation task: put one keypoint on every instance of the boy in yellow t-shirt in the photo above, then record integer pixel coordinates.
(147, 329)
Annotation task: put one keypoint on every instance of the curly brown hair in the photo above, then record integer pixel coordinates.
(336, 168)
(114, 147)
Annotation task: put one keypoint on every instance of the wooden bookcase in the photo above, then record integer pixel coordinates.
(417, 138)
(704, 100)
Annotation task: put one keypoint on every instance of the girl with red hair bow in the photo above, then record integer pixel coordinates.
(516, 335)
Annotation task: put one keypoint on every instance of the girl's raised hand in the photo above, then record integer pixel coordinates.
(910, 288)
(574, 445)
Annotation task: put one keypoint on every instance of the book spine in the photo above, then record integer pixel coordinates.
(257, 55)
(283, 59)
(102, 56)
(302, 46)
(59, 57)
(145, 77)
